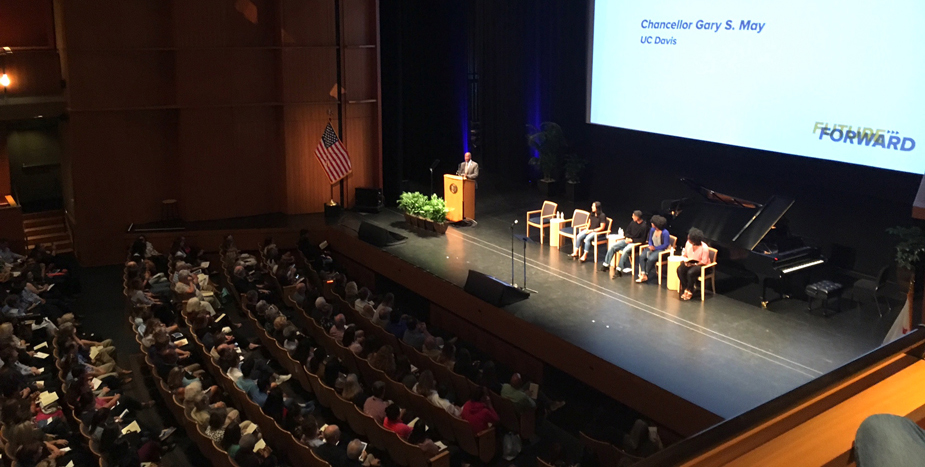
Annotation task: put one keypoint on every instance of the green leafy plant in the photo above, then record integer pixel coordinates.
(549, 141)
(573, 166)
(911, 245)
(412, 203)
(435, 209)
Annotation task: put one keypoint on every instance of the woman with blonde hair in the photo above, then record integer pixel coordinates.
(383, 359)
(426, 385)
(353, 391)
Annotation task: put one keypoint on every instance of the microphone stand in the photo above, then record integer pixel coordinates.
(512, 251)
(524, 288)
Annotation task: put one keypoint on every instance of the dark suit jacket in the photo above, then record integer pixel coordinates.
(472, 173)
(333, 455)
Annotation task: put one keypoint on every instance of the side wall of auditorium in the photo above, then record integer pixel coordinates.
(216, 104)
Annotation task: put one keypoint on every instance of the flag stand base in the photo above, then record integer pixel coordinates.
(332, 211)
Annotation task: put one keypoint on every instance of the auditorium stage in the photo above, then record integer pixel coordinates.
(725, 355)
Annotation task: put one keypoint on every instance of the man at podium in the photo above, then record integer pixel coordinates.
(459, 190)
(468, 169)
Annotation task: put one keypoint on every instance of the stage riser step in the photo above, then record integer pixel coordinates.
(42, 215)
(48, 238)
(50, 228)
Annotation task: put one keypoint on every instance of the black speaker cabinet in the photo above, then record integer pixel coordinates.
(493, 290)
(369, 199)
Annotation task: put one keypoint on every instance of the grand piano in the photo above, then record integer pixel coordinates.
(754, 236)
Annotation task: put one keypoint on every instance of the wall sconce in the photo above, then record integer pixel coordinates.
(4, 80)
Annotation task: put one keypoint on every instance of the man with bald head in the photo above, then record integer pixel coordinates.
(355, 451)
(331, 451)
(515, 391)
(468, 169)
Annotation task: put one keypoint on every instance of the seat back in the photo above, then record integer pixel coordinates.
(461, 386)
(580, 217)
(882, 276)
(549, 209)
(355, 418)
(341, 407)
(604, 451)
(506, 412)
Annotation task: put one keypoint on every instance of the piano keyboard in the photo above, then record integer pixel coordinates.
(802, 266)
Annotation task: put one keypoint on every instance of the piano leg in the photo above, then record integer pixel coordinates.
(764, 289)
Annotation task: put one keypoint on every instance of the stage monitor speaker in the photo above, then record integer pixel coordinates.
(369, 199)
(377, 236)
(493, 290)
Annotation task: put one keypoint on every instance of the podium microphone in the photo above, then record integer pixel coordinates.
(432, 167)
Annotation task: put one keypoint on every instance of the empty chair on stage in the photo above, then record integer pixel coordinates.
(540, 218)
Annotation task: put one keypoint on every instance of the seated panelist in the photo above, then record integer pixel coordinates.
(658, 240)
(696, 254)
(635, 232)
(597, 222)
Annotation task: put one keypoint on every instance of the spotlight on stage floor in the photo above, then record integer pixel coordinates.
(493, 290)
(377, 236)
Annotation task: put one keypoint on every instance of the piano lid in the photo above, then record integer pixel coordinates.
(728, 220)
(751, 234)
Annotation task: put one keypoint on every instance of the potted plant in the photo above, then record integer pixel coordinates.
(549, 142)
(909, 253)
(573, 167)
(435, 211)
(423, 212)
(412, 205)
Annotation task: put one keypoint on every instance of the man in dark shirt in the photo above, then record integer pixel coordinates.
(330, 452)
(635, 232)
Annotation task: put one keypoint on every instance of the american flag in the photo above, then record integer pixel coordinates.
(333, 155)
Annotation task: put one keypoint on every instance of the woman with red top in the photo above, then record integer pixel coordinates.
(478, 411)
(393, 422)
(697, 255)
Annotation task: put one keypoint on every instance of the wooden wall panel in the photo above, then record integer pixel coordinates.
(230, 160)
(360, 22)
(307, 186)
(116, 80)
(117, 24)
(361, 122)
(122, 169)
(33, 73)
(308, 74)
(224, 23)
(26, 24)
(226, 76)
(361, 74)
(307, 22)
(216, 103)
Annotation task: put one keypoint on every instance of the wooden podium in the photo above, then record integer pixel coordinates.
(459, 194)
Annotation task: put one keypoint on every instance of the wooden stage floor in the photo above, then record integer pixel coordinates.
(724, 355)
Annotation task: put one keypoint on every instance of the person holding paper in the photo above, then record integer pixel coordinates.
(517, 392)
(357, 455)
(696, 254)
(393, 421)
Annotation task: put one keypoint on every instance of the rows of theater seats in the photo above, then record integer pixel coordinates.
(451, 428)
(283, 444)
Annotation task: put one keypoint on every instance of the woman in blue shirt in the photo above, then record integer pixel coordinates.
(659, 240)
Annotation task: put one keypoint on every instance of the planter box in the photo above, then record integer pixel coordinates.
(576, 191)
(548, 188)
(424, 224)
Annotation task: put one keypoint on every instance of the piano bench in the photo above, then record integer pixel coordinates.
(823, 291)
